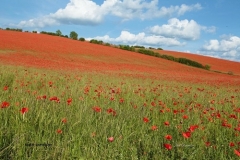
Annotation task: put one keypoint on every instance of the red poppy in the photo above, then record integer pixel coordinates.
(231, 144)
(111, 111)
(121, 100)
(168, 146)
(166, 123)
(64, 120)
(5, 104)
(192, 128)
(207, 144)
(186, 134)
(175, 111)
(111, 139)
(54, 99)
(168, 137)
(145, 119)
(69, 101)
(24, 110)
(59, 131)
(97, 109)
(237, 153)
(153, 104)
(185, 117)
(154, 128)
(237, 129)
(5, 88)
(50, 84)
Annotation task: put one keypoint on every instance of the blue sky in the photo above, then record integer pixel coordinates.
(206, 27)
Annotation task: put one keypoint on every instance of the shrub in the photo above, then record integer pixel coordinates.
(58, 33)
(73, 35)
(190, 62)
(81, 39)
(127, 47)
(14, 29)
(107, 44)
(168, 57)
(96, 41)
(207, 67)
(138, 46)
(151, 48)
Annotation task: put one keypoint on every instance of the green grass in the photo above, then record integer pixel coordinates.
(33, 135)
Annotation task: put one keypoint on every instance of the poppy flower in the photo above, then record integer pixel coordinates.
(5, 88)
(154, 128)
(168, 146)
(186, 134)
(207, 144)
(69, 101)
(5, 104)
(192, 128)
(111, 111)
(145, 120)
(54, 99)
(50, 84)
(185, 117)
(110, 139)
(59, 131)
(96, 109)
(153, 104)
(64, 120)
(231, 144)
(168, 137)
(166, 123)
(24, 110)
(121, 100)
(237, 153)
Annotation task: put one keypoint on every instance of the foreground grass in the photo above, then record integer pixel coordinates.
(49, 115)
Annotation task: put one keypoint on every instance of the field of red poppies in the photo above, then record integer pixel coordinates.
(66, 99)
(58, 53)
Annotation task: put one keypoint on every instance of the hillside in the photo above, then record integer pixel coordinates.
(58, 53)
(215, 63)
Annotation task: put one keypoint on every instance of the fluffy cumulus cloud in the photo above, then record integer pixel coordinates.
(140, 39)
(87, 12)
(228, 47)
(184, 29)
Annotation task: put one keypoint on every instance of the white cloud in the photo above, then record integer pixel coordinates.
(80, 12)
(178, 28)
(211, 29)
(41, 22)
(185, 8)
(140, 39)
(87, 12)
(228, 47)
(184, 29)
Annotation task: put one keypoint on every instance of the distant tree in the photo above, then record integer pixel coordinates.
(58, 33)
(207, 67)
(81, 39)
(73, 35)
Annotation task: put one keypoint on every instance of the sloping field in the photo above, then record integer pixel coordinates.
(215, 63)
(44, 51)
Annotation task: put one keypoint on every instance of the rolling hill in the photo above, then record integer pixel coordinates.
(59, 53)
